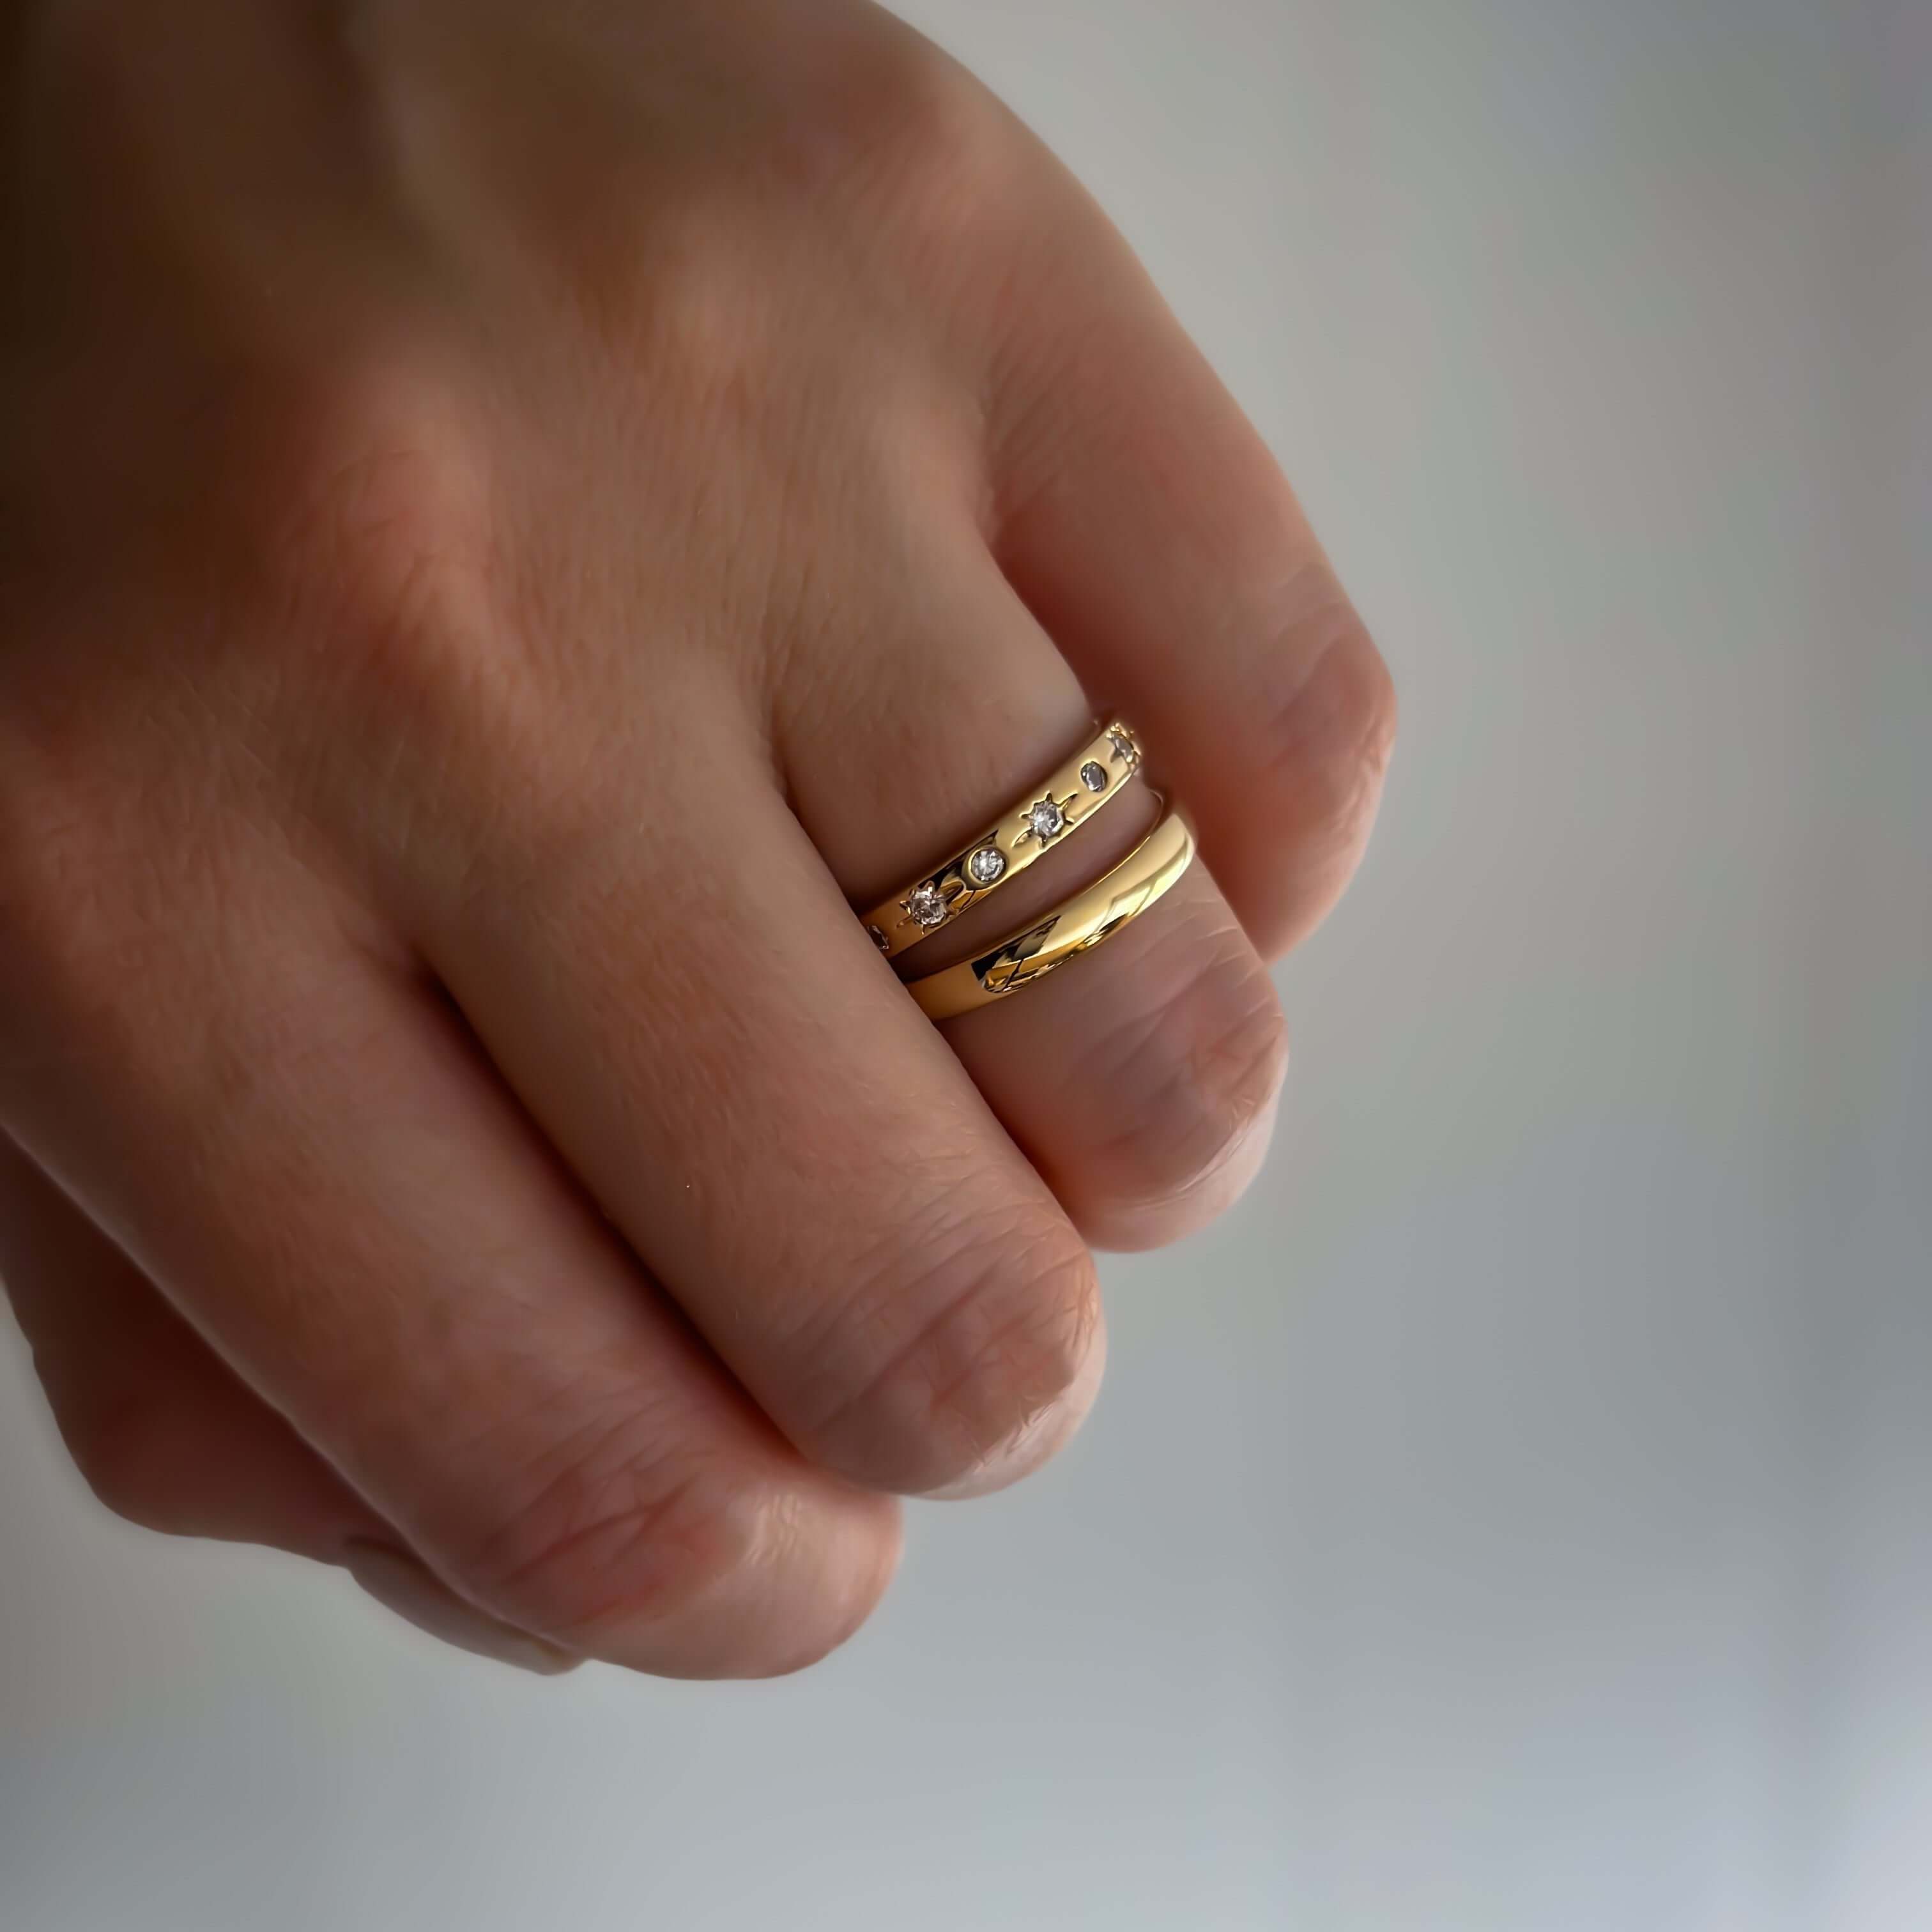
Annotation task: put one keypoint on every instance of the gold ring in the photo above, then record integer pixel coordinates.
(1059, 804)
(1087, 920)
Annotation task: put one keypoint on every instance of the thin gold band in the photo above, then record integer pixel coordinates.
(1087, 920)
(1059, 804)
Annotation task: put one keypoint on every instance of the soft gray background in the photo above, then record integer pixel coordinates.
(1519, 1514)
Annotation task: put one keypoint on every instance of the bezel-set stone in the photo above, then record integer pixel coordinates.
(986, 866)
(926, 905)
(879, 939)
(1094, 776)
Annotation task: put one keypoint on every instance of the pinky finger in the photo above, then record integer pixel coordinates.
(168, 1437)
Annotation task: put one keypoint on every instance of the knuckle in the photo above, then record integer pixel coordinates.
(366, 527)
(1196, 1071)
(609, 1537)
(1005, 1322)
(936, 147)
(309, 606)
(938, 116)
(364, 500)
(702, 324)
(1330, 734)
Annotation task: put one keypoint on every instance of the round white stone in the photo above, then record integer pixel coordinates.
(1093, 776)
(986, 865)
(1046, 819)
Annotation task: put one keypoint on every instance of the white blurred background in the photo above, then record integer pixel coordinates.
(1518, 1516)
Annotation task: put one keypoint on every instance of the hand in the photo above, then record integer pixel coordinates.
(513, 521)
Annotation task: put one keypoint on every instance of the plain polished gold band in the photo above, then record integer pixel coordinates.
(1087, 920)
(1059, 804)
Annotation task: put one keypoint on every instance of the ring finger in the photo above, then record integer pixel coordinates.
(1141, 1083)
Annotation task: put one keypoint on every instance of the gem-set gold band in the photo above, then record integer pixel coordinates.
(1060, 805)
(1087, 920)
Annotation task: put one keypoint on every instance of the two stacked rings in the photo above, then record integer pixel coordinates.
(1068, 799)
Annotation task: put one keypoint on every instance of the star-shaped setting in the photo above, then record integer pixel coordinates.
(925, 905)
(1045, 819)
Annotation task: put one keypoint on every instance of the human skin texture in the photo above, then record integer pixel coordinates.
(513, 520)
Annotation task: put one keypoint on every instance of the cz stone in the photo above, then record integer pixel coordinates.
(926, 903)
(1093, 776)
(986, 865)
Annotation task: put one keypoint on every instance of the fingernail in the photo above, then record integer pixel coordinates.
(400, 1584)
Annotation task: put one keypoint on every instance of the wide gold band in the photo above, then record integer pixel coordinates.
(1087, 920)
(1059, 804)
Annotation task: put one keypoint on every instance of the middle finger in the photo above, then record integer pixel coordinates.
(667, 976)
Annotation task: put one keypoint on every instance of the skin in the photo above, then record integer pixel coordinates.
(513, 520)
